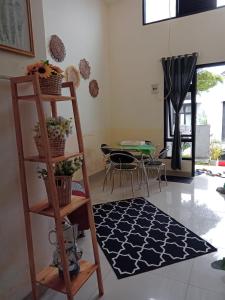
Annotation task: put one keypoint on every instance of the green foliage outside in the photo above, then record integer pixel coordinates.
(215, 149)
(207, 80)
(202, 119)
(185, 146)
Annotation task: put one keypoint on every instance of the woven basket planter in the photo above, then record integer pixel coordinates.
(57, 146)
(51, 85)
(63, 186)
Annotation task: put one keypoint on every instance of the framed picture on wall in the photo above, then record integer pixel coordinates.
(16, 27)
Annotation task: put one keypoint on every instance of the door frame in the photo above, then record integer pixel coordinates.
(201, 66)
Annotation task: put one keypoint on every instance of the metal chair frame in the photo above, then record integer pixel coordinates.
(106, 150)
(154, 163)
(125, 162)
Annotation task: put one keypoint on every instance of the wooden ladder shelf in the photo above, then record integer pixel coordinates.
(49, 276)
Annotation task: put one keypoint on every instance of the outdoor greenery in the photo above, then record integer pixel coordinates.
(215, 149)
(207, 80)
(202, 119)
(185, 146)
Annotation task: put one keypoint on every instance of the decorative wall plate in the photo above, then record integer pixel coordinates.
(57, 48)
(72, 74)
(85, 69)
(93, 88)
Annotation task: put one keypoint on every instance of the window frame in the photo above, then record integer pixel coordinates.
(177, 16)
(184, 112)
(223, 127)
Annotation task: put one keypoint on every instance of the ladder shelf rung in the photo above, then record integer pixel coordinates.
(43, 208)
(49, 277)
(54, 159)
(50, 98)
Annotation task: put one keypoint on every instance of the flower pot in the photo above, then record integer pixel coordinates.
(213, 162)
(63, 186)
(51, 85)
(57, 146)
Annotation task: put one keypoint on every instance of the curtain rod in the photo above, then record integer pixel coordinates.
(180, 56)
(4, 77)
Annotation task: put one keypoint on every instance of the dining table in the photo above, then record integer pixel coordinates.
(147, 149)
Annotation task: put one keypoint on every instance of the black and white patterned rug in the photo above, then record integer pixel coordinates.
(137, 237)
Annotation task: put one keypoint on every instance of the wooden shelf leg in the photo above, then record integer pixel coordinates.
(51, 177)
(23, 181)
(95, 247)
(31, 256)
(86, 187)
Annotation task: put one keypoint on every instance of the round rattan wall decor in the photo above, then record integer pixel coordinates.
(93, 88)
(85, 69)
(57, 48)
(72, 74)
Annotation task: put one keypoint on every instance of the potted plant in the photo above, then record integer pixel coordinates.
(215, 151)
(50, 77)
(58, 129)
(63, 172)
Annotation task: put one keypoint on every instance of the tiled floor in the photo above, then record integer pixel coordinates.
(197, 206)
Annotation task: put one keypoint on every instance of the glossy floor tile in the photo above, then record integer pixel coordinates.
(203, 294)
(197, 206)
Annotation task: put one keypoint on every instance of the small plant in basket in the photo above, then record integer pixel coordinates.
(63, 172)
(50, 76)
(58, 130)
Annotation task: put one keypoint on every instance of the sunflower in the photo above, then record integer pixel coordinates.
(44, 70)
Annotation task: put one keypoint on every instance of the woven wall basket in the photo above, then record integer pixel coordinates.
(57, 146)
(63, 186)
(51, 85)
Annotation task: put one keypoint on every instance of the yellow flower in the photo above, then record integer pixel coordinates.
(44, 71)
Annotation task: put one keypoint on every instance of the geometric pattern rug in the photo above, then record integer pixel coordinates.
(137, 237)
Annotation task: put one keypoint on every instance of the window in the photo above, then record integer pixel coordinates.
(185, 118)
(158, 10)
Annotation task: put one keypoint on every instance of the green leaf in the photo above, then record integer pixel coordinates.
(207, 80)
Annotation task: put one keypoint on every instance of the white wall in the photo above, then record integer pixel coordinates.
(135, 53)
(14, 275)
(83, 27)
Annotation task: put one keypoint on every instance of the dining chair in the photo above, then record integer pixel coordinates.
(154, 164)
(106, 150)
(124, 162)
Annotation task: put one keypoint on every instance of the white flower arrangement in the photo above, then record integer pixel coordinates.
(58, 127)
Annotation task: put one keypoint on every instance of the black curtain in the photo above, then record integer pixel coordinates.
(178, 73)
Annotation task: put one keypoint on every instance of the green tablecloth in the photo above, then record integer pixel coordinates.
(146, 149)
